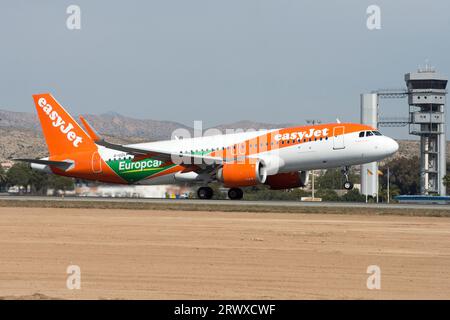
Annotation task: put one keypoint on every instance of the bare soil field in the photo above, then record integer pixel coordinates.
(153, 254)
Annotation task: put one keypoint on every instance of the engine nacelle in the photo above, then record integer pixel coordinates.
(242, 174)
(288, 180)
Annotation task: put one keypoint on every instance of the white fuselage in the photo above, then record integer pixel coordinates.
(344, 150)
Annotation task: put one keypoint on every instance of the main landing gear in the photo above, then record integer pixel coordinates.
(235, 194)
(205, 193)
(348, 185)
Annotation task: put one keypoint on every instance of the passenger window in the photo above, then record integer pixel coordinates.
(361, 134)
(369, 133)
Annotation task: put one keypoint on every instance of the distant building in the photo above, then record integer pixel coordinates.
(7, 164)
(423, 199)
(126, 191)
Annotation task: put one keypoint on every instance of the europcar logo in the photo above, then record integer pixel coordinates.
(133, 171)
(57, 121)
(145, 165)
(302, 134)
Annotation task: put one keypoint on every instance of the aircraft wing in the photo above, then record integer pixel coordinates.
(140, 153)
(179, 158)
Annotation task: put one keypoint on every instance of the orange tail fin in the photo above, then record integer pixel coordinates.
(62, 133)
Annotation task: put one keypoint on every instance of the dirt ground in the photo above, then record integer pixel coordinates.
(125, 254)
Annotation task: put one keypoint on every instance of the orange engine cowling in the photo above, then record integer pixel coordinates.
(287, 180)
(242, 174)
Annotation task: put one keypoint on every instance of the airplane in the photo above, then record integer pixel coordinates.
(279, 158)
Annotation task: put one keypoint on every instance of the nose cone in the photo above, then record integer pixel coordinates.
(390, 147)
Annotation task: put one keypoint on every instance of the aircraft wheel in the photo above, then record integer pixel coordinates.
(204, 193)
(235, 194)
(348, 185)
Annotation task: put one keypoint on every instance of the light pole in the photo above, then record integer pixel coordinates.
(388, 196)
(367, 178)
(378, 184)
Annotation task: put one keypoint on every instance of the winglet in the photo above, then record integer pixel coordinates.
(90, 130)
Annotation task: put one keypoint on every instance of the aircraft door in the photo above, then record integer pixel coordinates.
(338, 138)
(96, 163)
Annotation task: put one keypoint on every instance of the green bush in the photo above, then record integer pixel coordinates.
(21, 174)
(353, 196)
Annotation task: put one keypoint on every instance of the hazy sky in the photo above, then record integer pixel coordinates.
(217, 60)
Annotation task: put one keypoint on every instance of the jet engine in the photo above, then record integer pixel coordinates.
(242, 174)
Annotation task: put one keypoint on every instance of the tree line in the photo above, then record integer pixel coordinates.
(21, 175)
(404, 179)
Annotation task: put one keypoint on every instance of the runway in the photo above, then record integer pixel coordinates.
(155, 254)
(239, 203)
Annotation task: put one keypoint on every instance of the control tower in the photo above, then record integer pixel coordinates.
(426, 98)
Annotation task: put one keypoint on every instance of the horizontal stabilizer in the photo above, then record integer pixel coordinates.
(63, 165)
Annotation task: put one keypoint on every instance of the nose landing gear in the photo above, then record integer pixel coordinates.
(348, 185)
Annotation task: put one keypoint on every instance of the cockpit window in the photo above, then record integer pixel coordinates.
(363, 134)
